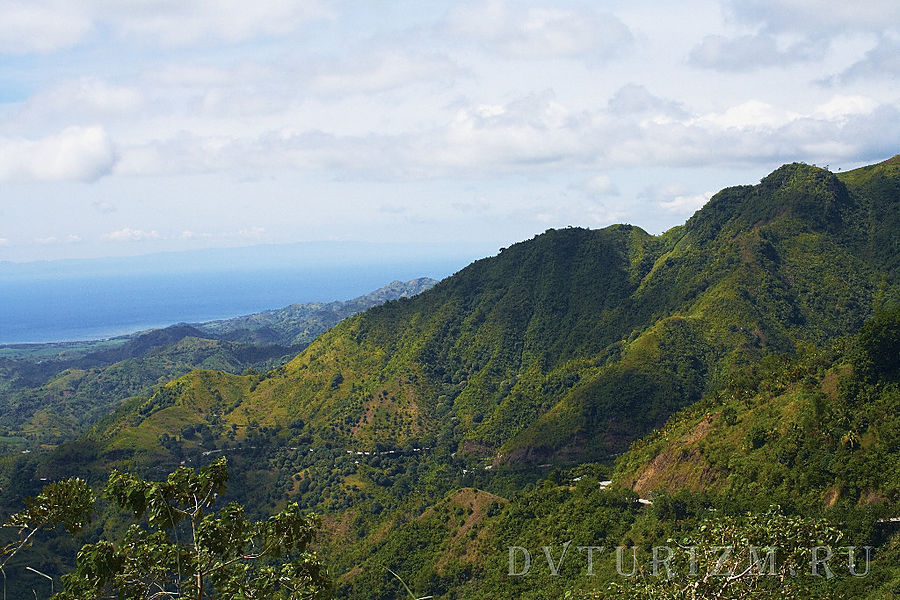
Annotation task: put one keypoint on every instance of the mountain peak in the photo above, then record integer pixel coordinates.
(794, 173)
(813, 196)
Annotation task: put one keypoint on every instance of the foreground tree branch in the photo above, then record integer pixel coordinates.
(179, 548)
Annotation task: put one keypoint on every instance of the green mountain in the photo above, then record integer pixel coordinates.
(815, 433)
(575, 343)
(817, 428)
(436, 431)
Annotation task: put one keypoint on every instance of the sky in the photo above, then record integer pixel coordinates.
(144, 126)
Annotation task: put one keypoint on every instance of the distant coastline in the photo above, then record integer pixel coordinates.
(90, 307)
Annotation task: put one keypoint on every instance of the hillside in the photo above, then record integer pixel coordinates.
(575, 343)
(818, 429)
(812, 436)
(435, 431)
(51, 392)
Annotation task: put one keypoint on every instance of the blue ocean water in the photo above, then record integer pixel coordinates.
(58, 306)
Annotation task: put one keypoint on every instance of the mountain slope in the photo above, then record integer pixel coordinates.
(512, 374)
(758, 270)
(816, 429)
(815, 433)
(51, 392)
(576, 342)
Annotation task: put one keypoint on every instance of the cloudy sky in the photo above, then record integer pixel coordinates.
(148, 125)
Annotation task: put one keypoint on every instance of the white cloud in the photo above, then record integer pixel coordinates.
(749, 52)
(752, 114)
(634, 99)
(193, 235)
(842, 107)
(527, 132)
(252, 233)
(76, 153)
(686, 204)
(540, 132)
(36, 26)
(815, 17)
(865, 136)
(52, 239)
(601, 185)
(86, 96)
(562, 211)
(538, 32)
(198, 106)
(190, 75)
(381, 71)
(840, 128)
(5, 242)
(48, 25)
(779, 33)
(174, 22)
(128, 234)
(186, 152)
(880, 63)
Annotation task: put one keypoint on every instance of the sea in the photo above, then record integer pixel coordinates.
(55, 305)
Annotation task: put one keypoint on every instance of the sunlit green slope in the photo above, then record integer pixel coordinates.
(575, 343)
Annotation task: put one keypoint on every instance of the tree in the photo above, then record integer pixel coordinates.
(69, 502)
(879, 341)
(337, 380)
(767, 555)
(181, 549)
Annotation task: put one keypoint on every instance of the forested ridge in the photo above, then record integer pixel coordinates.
(745, 359)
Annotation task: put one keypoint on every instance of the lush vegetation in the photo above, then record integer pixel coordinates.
(51, 392)
(183, 549)
(738, 372)
(760, 469)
